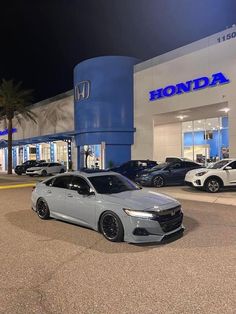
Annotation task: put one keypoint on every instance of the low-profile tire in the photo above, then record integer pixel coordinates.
(19, 173)
(212, 185)
(42, 209)
(62, 171)
(44, 173)
(111, 227)
(158, 181)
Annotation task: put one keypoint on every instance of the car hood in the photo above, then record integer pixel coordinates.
(198, 170)
(141, 200)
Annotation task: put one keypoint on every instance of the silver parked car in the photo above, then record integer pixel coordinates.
(109, 203)
(46, 168)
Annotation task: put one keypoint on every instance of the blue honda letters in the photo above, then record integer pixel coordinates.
(189, 86)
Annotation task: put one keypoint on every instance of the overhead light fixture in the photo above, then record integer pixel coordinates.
(199, 121)
(226, 109)
(181, 117)
(209, 123)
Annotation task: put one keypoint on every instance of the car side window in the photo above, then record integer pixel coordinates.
(49, 182)
(176, 166)
(78, 182)
(63, 182)
(233, 165)
(190, 164)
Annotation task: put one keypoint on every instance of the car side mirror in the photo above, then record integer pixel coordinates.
(85, 191)
(228, 168)
(139, 185)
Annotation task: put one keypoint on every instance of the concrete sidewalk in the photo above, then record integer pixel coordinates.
(226, 197)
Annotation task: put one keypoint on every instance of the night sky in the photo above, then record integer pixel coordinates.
(41, 41)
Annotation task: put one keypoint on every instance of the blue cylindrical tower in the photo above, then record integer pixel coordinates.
(103, 89)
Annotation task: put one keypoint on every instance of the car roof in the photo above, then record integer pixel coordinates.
(89, 174)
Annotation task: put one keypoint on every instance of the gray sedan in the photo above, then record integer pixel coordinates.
(109, 203)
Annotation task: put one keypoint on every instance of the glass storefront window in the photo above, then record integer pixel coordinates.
(91, 156)
(206, 140)
(62, 152)
(45, 152)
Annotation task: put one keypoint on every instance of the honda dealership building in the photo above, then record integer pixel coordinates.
(182, 103)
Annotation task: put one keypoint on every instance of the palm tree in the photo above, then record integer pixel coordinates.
(87, 151)
(14, 101)
(55, 113)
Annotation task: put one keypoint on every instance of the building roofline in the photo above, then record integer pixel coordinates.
(53, 99)
(184, 50)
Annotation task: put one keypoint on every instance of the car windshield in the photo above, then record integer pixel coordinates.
(159, 167)
(220, 164)
(110, 184)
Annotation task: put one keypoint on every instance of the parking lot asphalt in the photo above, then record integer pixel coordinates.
(56, 267)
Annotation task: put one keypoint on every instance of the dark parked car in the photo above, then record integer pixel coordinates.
(20, 169)
(172, 173)
(132, 168)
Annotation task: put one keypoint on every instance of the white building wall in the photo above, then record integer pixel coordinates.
(219, 57)
(166, 145)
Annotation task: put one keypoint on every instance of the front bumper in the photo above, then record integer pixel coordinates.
(33, 173)
(144, 181)
(151, 230)
(195, 182)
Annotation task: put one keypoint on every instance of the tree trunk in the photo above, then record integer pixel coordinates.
(9, 146)
(86, 161)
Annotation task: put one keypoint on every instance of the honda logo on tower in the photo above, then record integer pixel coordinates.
(82, 90)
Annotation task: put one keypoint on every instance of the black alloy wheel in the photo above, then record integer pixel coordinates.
(213, 185)
(42, 209)
(111, 227)
(44, 173)
(158, 182)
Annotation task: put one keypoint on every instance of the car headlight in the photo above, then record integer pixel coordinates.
(199, 174)
(138, 213)
(145, 175)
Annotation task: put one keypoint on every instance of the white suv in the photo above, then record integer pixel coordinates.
(43, 169)
(221, 174)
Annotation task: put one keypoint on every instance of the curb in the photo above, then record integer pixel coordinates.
(205, 199)
(16, 186)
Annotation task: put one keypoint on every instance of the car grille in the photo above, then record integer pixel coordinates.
(170, 219)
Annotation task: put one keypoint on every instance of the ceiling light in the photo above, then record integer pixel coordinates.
(226, 109)
(199, 121)
(209, 123)
(181, 117)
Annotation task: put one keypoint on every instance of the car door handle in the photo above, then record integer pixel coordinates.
(49, 192)
(69, 195)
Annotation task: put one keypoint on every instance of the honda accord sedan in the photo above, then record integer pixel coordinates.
(109, 203)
